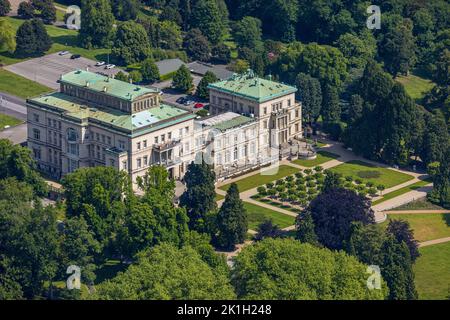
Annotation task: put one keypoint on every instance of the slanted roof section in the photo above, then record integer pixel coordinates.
(148, 120)
(99, 83)
(226, 121)
(249, 86)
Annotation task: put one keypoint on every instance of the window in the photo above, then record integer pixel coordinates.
(121, 144)
(169, 135)
(180, 132)
(73, 165)
(138, 146)
(49, 122)
(163, 137)
(72, 135)
(37, 153)
(289, 102)
(145, 144)
(109, 140)
(112, 162)
(235, 154)
(103, 138)
(265, 110)
(139, 162)
(124, 165)
(156, 140)
(35, 117)
(145, 160)
(265, 124)
(54, 123)
(72, 148)
(97, 136)
(36, 134)
(187, 130)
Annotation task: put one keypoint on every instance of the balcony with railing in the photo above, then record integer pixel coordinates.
(166, 145)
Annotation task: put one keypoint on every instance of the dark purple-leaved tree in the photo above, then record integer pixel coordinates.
(333, 212)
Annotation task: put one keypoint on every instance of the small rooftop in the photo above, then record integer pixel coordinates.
(249, 86)
(153, 118)
(168, 65)
(226, 121)
(201, 68)
(106, 85)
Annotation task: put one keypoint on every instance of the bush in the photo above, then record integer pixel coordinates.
(298, 175)
(318, 169)
(373, 192)
(358, 181)
(269, 185)
(370, 184)
(349, 178)
(262, 190)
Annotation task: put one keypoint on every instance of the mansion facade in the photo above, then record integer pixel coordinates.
(96, 120)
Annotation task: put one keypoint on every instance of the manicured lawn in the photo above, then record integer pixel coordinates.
(403, 190)
(256, 215)
(261, 179)
(433, 273)
(20, 86)
(415, 86)
(322, 157)
(367, 172)
(63, 39)
(419, 204)
(219, 197)
(6, 120)
(426, 226)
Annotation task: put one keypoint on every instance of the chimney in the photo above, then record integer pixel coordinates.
(87, 83)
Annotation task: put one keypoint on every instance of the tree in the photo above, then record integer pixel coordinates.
(131, 43)
(442, 73)
(310, 94)
(355, 108)
(125, 9)
(207, 17)
(48, 13)
(305, 228)
(402, 232)
(32, 38)
(150, 71)
(397, 270)
(182, 80)
(267, 229)
(197, 45)
(248, 33)
(221, 53)
(79, 247)
(332, 180)
(166, 272)
(356, 50)
(202, 88)
(199, 197)
(16, 161)
(331, 109)
(7, 37)
(29, 241)
(121, 76)
(5, 7)
(441, 182)
(232, 222)
(397, 49)
(333, 212)
(97, 20)
(170, 34)
(284, 269)
(25, 10)
(135, 76)
(435, 139)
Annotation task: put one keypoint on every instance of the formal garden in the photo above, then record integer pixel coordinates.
(295, 191)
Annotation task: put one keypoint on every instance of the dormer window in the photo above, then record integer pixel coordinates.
(72, 135)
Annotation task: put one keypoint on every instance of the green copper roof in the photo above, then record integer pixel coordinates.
(233, 123)
(249, 86)
(99, 83)
(147, 120)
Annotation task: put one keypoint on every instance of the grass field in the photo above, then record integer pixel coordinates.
(322, 157)
(20, 86)
(426, 226)
(219, 197)
(367, 172)
(401, 191)
(433, 273)
(261, 179)
(415, 86)
(6, 120)
(63, 39)
(256, 215)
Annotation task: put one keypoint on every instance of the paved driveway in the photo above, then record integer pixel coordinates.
(46, 70)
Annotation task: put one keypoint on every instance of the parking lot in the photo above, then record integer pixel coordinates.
(47, 70)
(171, 96)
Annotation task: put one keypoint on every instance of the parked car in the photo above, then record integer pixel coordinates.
(110, 66)
(63, 53)
(181, 100)
(198, 105)
(100, 63)
(188, 102)
(75, 56)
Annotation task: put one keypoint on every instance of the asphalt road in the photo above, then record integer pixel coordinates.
(15, 107)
